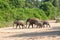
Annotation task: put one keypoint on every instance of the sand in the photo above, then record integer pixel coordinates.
(52, 33)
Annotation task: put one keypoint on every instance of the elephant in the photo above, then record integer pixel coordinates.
(39, 24)
(19, 23)
(46, 24)
(31, 21)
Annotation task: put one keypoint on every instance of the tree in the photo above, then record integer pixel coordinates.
(33, 3)
(56, 3)
(49, 9)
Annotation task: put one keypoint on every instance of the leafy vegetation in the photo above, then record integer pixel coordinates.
(11, 10)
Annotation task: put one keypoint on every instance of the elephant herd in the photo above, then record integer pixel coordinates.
(31, 22)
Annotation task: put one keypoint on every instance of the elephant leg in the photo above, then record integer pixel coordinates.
(26, 25)
(44, 26)
(29, 25)
(36, 26)
(32, 25)
(41, 26)
(22, 26)
(49, 25)
(19, 26)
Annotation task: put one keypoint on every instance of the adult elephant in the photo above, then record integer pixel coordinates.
(31, 21)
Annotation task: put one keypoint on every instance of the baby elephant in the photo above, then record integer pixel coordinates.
(46, 24)
(39, 24)
(19, 23)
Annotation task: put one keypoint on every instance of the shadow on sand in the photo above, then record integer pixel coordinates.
(57, 28)
(33, 34)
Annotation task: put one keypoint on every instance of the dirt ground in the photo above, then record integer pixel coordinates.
(52, 33)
